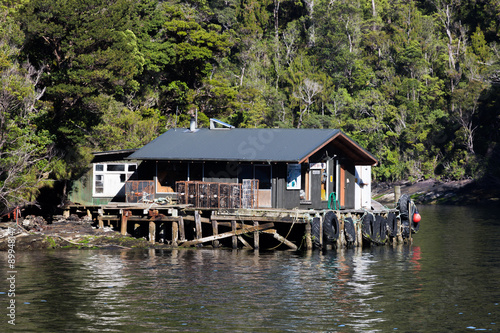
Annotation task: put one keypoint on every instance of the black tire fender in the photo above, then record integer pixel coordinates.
(392, 222)
(315, 224)
(367, 226)
(349, 230)
(330, 227)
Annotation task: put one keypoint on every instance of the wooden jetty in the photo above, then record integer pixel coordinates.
(295, 229)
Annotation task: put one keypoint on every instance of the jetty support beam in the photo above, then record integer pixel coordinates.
(215, 231)
(228, 234)
(281, 238)
(256, 236)
(123, 226)
(308, 237)
(197, 222)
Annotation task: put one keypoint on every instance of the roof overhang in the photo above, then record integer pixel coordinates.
(348, 147)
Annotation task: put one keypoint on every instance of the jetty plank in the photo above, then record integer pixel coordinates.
(289, 219)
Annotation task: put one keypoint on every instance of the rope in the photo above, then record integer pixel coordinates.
(288, 234)
(332, 194)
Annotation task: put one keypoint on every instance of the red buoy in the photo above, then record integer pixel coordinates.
(416, 217)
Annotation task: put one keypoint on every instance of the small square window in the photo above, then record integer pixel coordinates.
(99, 167)
(132, 167)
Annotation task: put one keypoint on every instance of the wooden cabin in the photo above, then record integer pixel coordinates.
(105, 179)
(254, 168)
(189, 186)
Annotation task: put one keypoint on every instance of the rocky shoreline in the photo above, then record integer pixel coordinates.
(34, 233)
(431, 192)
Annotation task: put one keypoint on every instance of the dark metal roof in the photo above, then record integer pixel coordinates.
(249, 144)
(114, 152)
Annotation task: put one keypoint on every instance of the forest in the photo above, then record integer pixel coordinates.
(416, 82)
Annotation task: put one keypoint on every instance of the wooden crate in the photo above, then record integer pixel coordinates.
(200, 194)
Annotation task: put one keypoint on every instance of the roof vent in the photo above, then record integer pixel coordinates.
(192, 124)
(214, 122)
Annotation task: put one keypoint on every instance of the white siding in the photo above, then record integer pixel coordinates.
(363, 188)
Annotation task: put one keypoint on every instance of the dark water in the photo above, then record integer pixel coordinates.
(447, 281)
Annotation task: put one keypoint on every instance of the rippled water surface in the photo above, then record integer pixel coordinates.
(447, 281)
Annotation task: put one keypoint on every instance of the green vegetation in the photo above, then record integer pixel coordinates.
(52, 242)
(415, 82)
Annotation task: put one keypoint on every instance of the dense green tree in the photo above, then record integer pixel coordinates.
(413, 81)
(25, 146)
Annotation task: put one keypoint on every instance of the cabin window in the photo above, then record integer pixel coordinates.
(116, 167)
(293, 177)
(99, 183)
(110, 178)
(263, 174)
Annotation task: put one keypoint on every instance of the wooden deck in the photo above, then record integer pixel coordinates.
(181, 225)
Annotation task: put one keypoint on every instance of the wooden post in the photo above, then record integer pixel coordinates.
(125, 215)
(307, 235)
(152, 232)
(399, 236)
(410, 219)
(175, 233)
(397, 194)
(101, 222)
(197, 221)
(182, 231)
(235, 238)
(215, 231)
(321, 232)
(256, 236)
(359, 232)
(340, 240)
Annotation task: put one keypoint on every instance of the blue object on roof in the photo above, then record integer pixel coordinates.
(250, 144)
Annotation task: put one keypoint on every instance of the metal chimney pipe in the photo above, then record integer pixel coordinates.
(192, 124)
